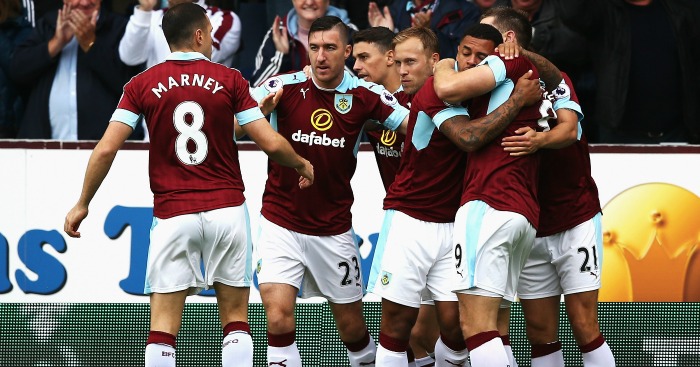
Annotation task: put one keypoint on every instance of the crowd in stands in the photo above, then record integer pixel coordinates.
(63, 64)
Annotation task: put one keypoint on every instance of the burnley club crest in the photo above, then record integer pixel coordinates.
(343, 103)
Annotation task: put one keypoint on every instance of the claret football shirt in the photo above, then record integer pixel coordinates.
(504, 182)
(429, 181)
(189, 103)
(323, 126)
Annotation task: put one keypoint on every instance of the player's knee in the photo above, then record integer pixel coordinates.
(280, 321)
(584, 329)
(540, 331)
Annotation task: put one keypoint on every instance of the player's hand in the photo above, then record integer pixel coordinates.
(527, 91)
(307, 71)
(379, 18)
(270, 101)
(446, 63)
(73, 219)
(147, 5)
(422, 19)
(509, 50)
(525, 141)
(307, 174)
(279, 36)
(83, 27)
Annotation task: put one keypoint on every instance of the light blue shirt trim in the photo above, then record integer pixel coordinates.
(500, 95)
(396, 118)
(63, 97)
(447, 113)
(571, 105)
(186, 56)
(249, 115)
(497, 66)
(258, 93)
(423, 131)
(127, 117)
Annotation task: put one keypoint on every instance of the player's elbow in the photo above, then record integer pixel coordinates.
(447, 91)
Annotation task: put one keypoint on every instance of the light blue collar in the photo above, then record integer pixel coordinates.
(347, 83)
(186, 56)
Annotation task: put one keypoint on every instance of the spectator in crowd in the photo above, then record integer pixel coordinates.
(447, 18)
(144, 41)
(645, 71)
(73, 72)
(486, 4)
(286, 45)
(36, 9)
(13, 29)
(357, 10)
(564, 47)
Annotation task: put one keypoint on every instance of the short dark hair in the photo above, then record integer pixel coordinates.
(509, 19)
(426, 36)
(379, 36)
(328, 22)
(181, 21)
(484, 32)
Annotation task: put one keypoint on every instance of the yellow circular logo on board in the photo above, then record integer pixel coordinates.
(651, 243)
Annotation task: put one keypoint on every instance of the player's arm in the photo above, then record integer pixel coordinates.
(454, 87)
(549, 73)
(132, 50)
(471, 135)
(528, 141)
(279, 149)
(99, 164)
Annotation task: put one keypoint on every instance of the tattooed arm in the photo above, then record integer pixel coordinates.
(550, 74)
(471, 135)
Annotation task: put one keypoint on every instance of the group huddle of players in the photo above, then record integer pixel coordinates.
(488, 195)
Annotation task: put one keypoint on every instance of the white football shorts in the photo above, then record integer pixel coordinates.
(490, 250)
(320, 266)
(564, 263)
(217, 241)
(413, 261)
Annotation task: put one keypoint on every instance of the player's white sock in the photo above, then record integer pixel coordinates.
(486, 350)
(509, 351)
(425, 362)
(547, 355)
(389, 358)
(363, 352)
(282, 351)
(453, 354)
(160, 349)
(597, 354)
(237, 347)
(391, 352)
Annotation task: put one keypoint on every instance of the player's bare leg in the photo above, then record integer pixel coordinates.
(542, 327)
(237, 346)
(166, 319)
(582, 309)
(478, 320)
(504, 329)
(450, 348)
(350, 322)
(394, 333)
(279, 301)
(424, 334)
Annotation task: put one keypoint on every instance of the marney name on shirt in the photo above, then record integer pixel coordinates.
(186, 80)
